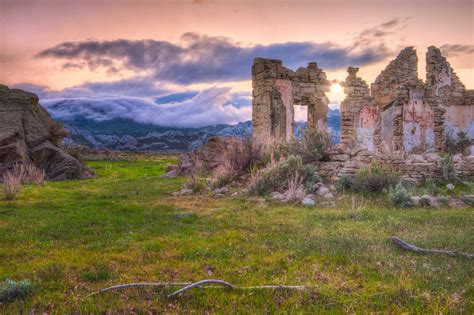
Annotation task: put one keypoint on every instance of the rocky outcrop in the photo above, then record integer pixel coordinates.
(29, 135)
(206, 159)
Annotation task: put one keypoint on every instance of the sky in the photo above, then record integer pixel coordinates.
(187, 63)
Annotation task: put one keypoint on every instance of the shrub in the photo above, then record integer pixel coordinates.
(344, 183)
(429, 187)
(456, 145)
(276, 176)
(446, 166)
(374, 178)
(313, 147)
(11, 290)
(443, 200)
(400, 196)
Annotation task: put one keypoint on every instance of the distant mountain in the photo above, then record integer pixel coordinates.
(129, 135)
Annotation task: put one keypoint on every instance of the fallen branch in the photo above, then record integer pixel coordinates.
(200, 284)
(140, 284)
(416, 249)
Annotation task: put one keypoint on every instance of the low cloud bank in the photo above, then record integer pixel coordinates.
(209, 107)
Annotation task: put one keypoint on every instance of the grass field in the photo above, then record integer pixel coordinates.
(74, 237)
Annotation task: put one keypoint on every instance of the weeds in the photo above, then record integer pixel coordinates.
(313, 147)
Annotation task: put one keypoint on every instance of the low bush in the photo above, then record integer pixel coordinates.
(313, 147)
(448, 171)
(400, 196)
(276, 176)
(375, 178)
(443, 200)
(456, 145)
(11, 290)
(344, 183)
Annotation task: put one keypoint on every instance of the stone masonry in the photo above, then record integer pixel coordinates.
(277, 89)
(400, 120)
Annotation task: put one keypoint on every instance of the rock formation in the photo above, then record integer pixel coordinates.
(29, 135)
(208, 158)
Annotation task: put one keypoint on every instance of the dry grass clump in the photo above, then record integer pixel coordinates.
(18, 175)
(295, 191)
(58, 132)
(11, 185)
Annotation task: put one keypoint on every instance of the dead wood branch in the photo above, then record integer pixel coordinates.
(201, 284)
(416, 249)
(140, 284)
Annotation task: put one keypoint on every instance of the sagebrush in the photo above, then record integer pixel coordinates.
(375, 178)
(276, 176)
(400, 197)
(11, 290)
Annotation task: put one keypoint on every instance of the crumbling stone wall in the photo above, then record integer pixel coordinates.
(399, 113)
(359, 116)
(407, 119)
(449, 96)
(276, 89)
(410, 116)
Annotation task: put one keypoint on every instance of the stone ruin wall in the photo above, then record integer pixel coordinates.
(400, 120)
(276, 90)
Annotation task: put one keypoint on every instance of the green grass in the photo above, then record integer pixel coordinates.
(74, 237)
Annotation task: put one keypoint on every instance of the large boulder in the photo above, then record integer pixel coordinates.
(29, 135)
(207, 158)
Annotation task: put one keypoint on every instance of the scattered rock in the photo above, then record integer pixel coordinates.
(308, 201)
(277, 195)
(428, 201)
(170, 174)
(322, 191)
(450, 186)
(416, 200)
(183, 192)
(328, 196)
(468, 200)
(171, 167)
(222, 190)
